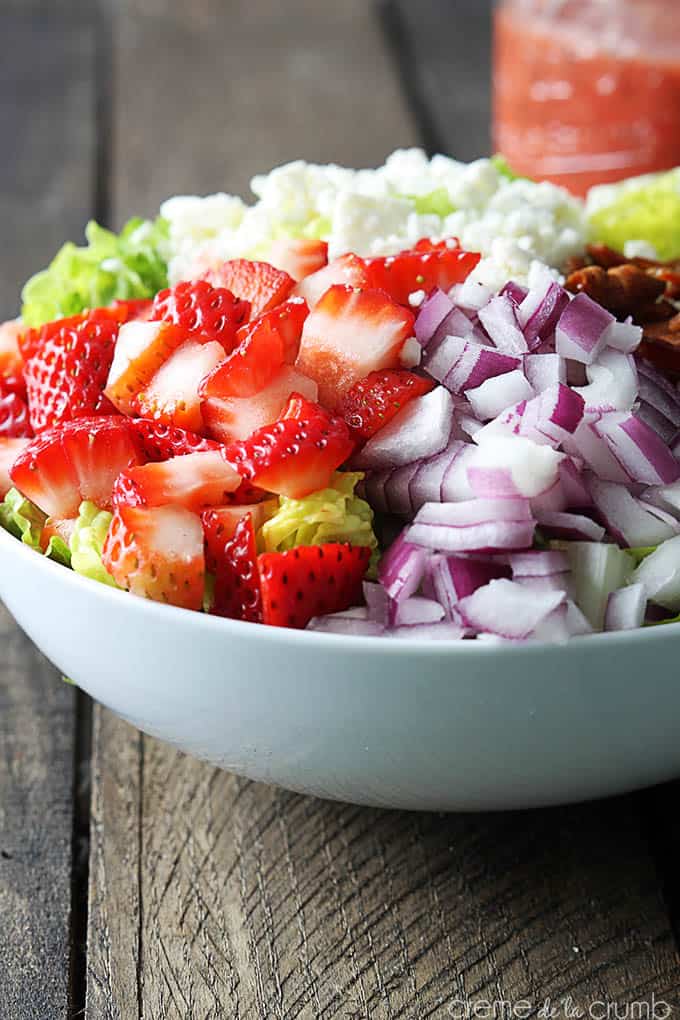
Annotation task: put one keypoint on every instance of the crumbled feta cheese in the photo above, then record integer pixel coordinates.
(382, 211)
(416, 298)
(411, 353)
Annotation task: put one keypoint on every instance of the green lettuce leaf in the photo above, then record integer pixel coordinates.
(504, 168)
(110, 267)
(639, 209)
(87, 543)
(334, 514)
(437, 202)
(58, 550)
(22, 518)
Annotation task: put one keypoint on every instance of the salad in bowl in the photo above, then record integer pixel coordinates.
(430, 400)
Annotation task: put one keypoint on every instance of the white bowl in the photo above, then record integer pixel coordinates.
(445, 726)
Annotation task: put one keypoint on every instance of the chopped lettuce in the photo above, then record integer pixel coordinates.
(132, 264)
(435, 202)
(638, 209)
(22, 518)
(641, 553)
(87, 543)
(58, 550)
(504, 168)
(334, 514)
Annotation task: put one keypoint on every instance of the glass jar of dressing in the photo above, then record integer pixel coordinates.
(587, 91)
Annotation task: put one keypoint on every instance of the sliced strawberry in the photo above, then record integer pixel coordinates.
(298, 256)
(350, 333)
(141, 349)
(171, 395)
(31, 340)
(161, 442)
(66, 376)
(231, 418)
(14, 420)
(223, 521)
(157, 553)
(15, 384)
(133, 309)
(11, 358)
(257, 282)
(310, 581)
(10, 449)
(349, 270)
(198, 307)
(375, 400)
(75, 461)
(265, 345)
(296, 455)
(196, 481)
(231, 555)
(57, 527)
(423, 267)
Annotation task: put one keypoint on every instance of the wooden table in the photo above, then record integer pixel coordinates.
(200, 895)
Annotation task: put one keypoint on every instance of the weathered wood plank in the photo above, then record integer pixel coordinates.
(47, 127)
(213, 897)
(444, 54)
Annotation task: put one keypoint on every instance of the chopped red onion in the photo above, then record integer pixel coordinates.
(552, 416)
(416, 609)
(612, 383)
(664, 428)
(570, 526)
(401, 569)
(443, 355)
(478, 525)
(500, 320)
(455, 484)
(426, 484)
(626, 608)
(624, 336)
(659, 573)
(544, 370)
(374, 490)
(563, 623)
(665, 496)
(540, 311)
(639, 450)
(515, 291)
(652, 392)
(397, 492)
(498, 393)
(377, 601)
(630, 521)
(576, 492)
(508, 609)
(581, 332)
(509, 466)
(420, 429)
(537, 563)
(432, 313)
(455, 577)
(591, 448)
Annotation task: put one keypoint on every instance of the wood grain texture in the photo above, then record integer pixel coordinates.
(47, 108)
(212, 897)
(444, 53)
(210, 93)
(47, 127)
(256, 903)
(36, 788)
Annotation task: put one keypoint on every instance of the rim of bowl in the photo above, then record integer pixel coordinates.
(364, 642)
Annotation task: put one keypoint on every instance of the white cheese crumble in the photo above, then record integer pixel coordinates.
(382, 211)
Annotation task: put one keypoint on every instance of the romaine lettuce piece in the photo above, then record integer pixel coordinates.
(132, 264)
(87, 543)
(22, 518)
(334, 514)
(639, 209)
(58, 550)
(435, 202)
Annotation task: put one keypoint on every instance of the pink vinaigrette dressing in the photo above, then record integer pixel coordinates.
(587, 91)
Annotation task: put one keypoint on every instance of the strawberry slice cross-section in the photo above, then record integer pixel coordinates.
(310, 581)
(297, 454)
(261, 284)
(231, 556)
(195, 481)
(157, 553)
(76, 461)
(350, 333)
